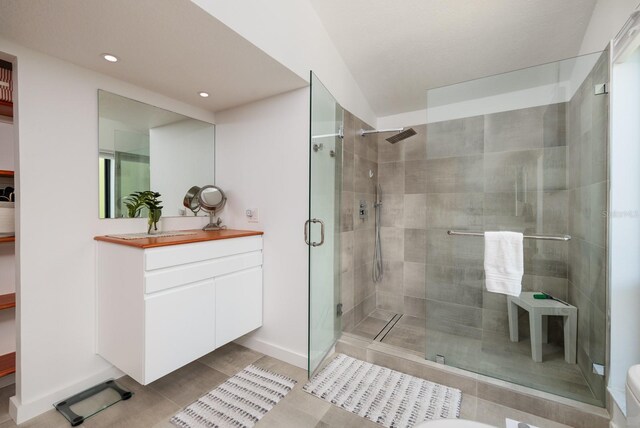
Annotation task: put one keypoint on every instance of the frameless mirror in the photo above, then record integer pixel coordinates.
(143, 147)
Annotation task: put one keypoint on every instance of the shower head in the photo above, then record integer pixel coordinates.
(401, 136)
(402, 133)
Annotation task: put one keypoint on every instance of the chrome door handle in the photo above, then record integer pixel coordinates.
(306, 232)
(317, 244)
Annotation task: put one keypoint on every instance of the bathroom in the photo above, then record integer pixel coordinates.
(531, 151)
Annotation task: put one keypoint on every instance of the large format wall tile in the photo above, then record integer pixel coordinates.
(415, 148)
(392, 209)
(388, 152)
(415, 211)
(414, 248)
(415, 176)
(452, 175)
(525, 129)
(460, 137)
(364, 183)
(454, 211)
(392, 240)
(414, 279)
(531, 212)
(538, 169)
(455, 284)
(391, 177)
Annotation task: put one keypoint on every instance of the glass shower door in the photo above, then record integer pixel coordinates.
(322, 227)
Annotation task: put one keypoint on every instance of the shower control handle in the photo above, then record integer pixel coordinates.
(306, 232)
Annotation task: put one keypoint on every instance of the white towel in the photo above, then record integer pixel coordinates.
(503, 262)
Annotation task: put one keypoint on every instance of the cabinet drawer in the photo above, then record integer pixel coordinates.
(238, 304)
(179, 328)
(163, 279)
(163, 257)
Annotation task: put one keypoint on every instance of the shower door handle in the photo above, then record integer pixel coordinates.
(306, 232)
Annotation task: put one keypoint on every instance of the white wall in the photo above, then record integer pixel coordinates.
(624, 211)
(181, 156)
(291, 32)
(607, 19)
(262, 152)
(57, 218)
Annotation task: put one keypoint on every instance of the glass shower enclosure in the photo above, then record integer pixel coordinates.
(524, 151)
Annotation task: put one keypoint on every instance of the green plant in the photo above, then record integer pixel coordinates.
(134, 203)
(145, 199)
(152, 203)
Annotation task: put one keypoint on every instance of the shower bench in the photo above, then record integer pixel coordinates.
(539, 310)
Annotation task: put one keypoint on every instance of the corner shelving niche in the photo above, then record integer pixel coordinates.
(7, 252)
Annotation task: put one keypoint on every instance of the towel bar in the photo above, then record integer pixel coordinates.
(543, 237)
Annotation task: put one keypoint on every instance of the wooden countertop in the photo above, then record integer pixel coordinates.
(200, 236)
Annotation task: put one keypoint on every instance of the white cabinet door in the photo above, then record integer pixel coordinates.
(238, 304)
(179, 327)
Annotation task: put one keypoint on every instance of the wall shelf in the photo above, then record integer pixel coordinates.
(7, 301)
(5, 173)
(7, 364)
(7, 239)
(6, 108)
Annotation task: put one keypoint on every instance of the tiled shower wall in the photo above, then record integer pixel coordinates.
(359, 179)
(587, 130)
(503, 171)
(403, 222)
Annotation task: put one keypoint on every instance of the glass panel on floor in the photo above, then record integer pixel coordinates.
(525, 152)
(323, 226)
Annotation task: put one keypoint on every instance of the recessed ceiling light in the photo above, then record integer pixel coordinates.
(203, 94)
(110, 58)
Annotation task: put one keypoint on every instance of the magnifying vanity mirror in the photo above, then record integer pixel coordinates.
(212, 199)
(191, 200)
(147, 148)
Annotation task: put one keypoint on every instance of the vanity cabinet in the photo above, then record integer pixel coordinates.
(163, 306)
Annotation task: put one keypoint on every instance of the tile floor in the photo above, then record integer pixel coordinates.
(493, 356)
(154, 404)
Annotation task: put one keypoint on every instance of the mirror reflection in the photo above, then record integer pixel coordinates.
(146, 148)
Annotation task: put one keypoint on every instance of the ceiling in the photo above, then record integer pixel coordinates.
(172, 47)
(396, 50)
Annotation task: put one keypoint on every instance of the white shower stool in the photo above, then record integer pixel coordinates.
(539, 310)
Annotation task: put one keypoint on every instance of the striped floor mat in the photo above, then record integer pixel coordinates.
(382, 395)
(239, 402)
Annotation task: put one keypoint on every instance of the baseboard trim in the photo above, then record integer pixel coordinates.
(22, 412)
(275, 351)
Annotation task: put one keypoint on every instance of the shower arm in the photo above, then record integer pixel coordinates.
(378, 131)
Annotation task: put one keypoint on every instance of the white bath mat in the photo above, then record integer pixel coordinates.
(239, 402)
(382, 395)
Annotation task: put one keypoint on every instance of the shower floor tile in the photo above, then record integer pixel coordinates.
(494, 356)
(373, 324)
